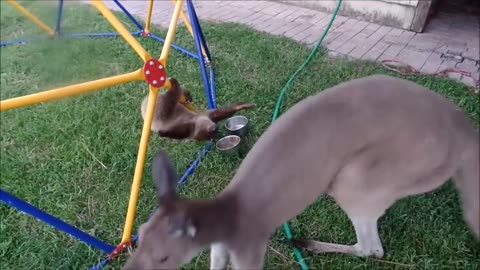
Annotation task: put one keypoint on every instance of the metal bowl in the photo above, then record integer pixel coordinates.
(237, 125)
(229, 144)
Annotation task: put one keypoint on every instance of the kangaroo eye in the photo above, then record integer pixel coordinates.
(164, 259)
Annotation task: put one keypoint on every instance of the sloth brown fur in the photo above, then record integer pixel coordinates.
(173, 120)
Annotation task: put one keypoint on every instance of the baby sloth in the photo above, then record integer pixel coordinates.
(173, 120)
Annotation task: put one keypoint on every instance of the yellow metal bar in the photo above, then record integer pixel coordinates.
(149, 16)
(185, 20)
(71, 90)
(190, 107)
(32, 17)
(171, 32)
(121, 29)
(137, 177)
(188, 25)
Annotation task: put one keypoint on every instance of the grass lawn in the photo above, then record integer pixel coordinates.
(47, 150)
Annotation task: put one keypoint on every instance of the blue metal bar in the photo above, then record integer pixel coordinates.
(212, 85)
(129, 15)
(200, 32)
(18, 41)
(196, 22)
(176, 47)
(106, 34)
(201, 61)
(194, 165)
(59, 16)
(53, 221)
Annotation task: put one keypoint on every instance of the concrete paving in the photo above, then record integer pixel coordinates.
(449, 41)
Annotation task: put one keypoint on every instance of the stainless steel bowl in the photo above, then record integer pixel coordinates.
(237, 125)
(229, 144)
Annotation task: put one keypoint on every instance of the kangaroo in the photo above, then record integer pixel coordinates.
(367, 143)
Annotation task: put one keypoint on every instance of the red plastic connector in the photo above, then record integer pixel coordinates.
(155, 73)
(119, 249)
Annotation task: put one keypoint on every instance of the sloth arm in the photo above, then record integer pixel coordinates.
(170, 100)
(222, 113)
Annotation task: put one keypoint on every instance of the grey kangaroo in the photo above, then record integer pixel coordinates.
(367, 143)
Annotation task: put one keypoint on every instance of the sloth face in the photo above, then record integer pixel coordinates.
(205, 128)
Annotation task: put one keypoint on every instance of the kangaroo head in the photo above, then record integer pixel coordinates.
(167, 239)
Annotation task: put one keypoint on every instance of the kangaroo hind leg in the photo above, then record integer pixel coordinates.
(467, 181)
(364, 204)
(368, 241)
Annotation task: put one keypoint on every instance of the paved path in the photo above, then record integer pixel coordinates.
(446, 34)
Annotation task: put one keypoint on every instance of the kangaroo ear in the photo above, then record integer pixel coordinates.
(165, 177)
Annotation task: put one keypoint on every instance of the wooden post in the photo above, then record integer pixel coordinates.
(421, 15)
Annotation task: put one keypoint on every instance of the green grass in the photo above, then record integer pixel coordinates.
(46, 160)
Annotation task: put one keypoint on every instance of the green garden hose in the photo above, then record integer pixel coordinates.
(286, 227)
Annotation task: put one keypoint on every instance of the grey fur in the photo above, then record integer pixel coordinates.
(367, 143)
